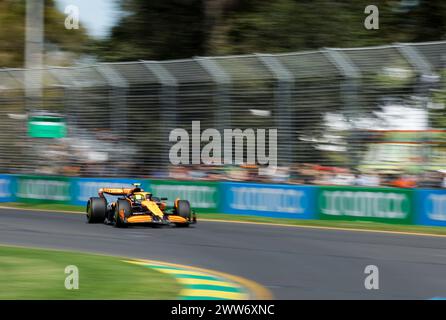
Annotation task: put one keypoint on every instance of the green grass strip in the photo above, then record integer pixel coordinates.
(40, 274)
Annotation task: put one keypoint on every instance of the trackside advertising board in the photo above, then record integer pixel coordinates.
(431, 207)
(43, 189)
(273, 200)
(388, 205)
(7, 188)
(203, 196)
(84, 188)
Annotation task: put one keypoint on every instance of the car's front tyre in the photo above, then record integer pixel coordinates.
(122, 204)
(183, 210)
(96, 210)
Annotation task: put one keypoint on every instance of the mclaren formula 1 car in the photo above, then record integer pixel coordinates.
(136, 206)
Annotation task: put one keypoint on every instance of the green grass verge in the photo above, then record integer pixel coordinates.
(44, 206)
(27, 273)
(365, 225)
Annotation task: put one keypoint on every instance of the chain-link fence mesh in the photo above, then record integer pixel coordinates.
(376, 108)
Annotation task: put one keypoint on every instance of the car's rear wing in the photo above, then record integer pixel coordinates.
(115, 191)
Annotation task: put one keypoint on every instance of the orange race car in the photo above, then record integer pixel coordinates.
(134, 205)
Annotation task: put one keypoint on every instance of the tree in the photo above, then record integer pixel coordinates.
(294, 25)
(168, 29)
(156, 29)
(12, 32)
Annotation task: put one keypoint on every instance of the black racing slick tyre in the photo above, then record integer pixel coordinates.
(96, 210)
(122, 204)
(183, 210)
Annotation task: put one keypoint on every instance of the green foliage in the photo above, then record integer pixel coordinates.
(156, 30)
(74, 40)
(12, 32)
(166, 29)
(291, 25)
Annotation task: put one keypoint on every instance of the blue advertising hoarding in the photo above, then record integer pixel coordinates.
(272, 200)
(84, 188)
(7, 188)
(430, 207)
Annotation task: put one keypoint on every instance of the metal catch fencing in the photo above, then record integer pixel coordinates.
(362, 108)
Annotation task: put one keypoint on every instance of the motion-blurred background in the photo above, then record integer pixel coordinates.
(352, 106)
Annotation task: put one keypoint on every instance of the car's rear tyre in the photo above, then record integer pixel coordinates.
(96, 210)
(122, 204)
(184, 211)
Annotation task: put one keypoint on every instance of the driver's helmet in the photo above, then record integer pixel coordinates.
(138, 197)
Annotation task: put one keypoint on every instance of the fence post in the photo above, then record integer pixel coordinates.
(426, 80)
(168, 100)
(222, 118)
(426, 76)
(349, 92)
(118, 98)
(415, 58)
(283, 101)
(34, 48)
(69, 87)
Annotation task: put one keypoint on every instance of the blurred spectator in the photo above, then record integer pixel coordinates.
(431, 179)
(405, 181)
(343, 177)
(368, 179)
(443, 184)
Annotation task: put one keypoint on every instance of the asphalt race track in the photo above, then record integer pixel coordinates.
(293, 263)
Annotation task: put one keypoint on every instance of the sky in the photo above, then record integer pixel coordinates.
(98, 16)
